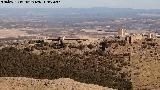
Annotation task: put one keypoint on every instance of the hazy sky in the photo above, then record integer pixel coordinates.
(113, 3)
(145, 4)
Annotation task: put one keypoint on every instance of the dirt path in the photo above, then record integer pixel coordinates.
(21, 83)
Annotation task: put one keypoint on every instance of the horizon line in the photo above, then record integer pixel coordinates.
(77, 8)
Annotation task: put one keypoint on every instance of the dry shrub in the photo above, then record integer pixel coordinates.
(90, 68)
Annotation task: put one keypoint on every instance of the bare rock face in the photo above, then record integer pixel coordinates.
(21, 83)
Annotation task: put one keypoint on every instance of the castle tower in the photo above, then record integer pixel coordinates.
(121, 32)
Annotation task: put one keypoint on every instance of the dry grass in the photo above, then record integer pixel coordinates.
(6, 33)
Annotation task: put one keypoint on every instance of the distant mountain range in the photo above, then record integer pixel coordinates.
(102, 12)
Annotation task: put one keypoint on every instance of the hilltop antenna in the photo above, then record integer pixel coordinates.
(156, 30)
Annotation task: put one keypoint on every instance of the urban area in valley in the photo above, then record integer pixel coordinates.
(114, 48)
